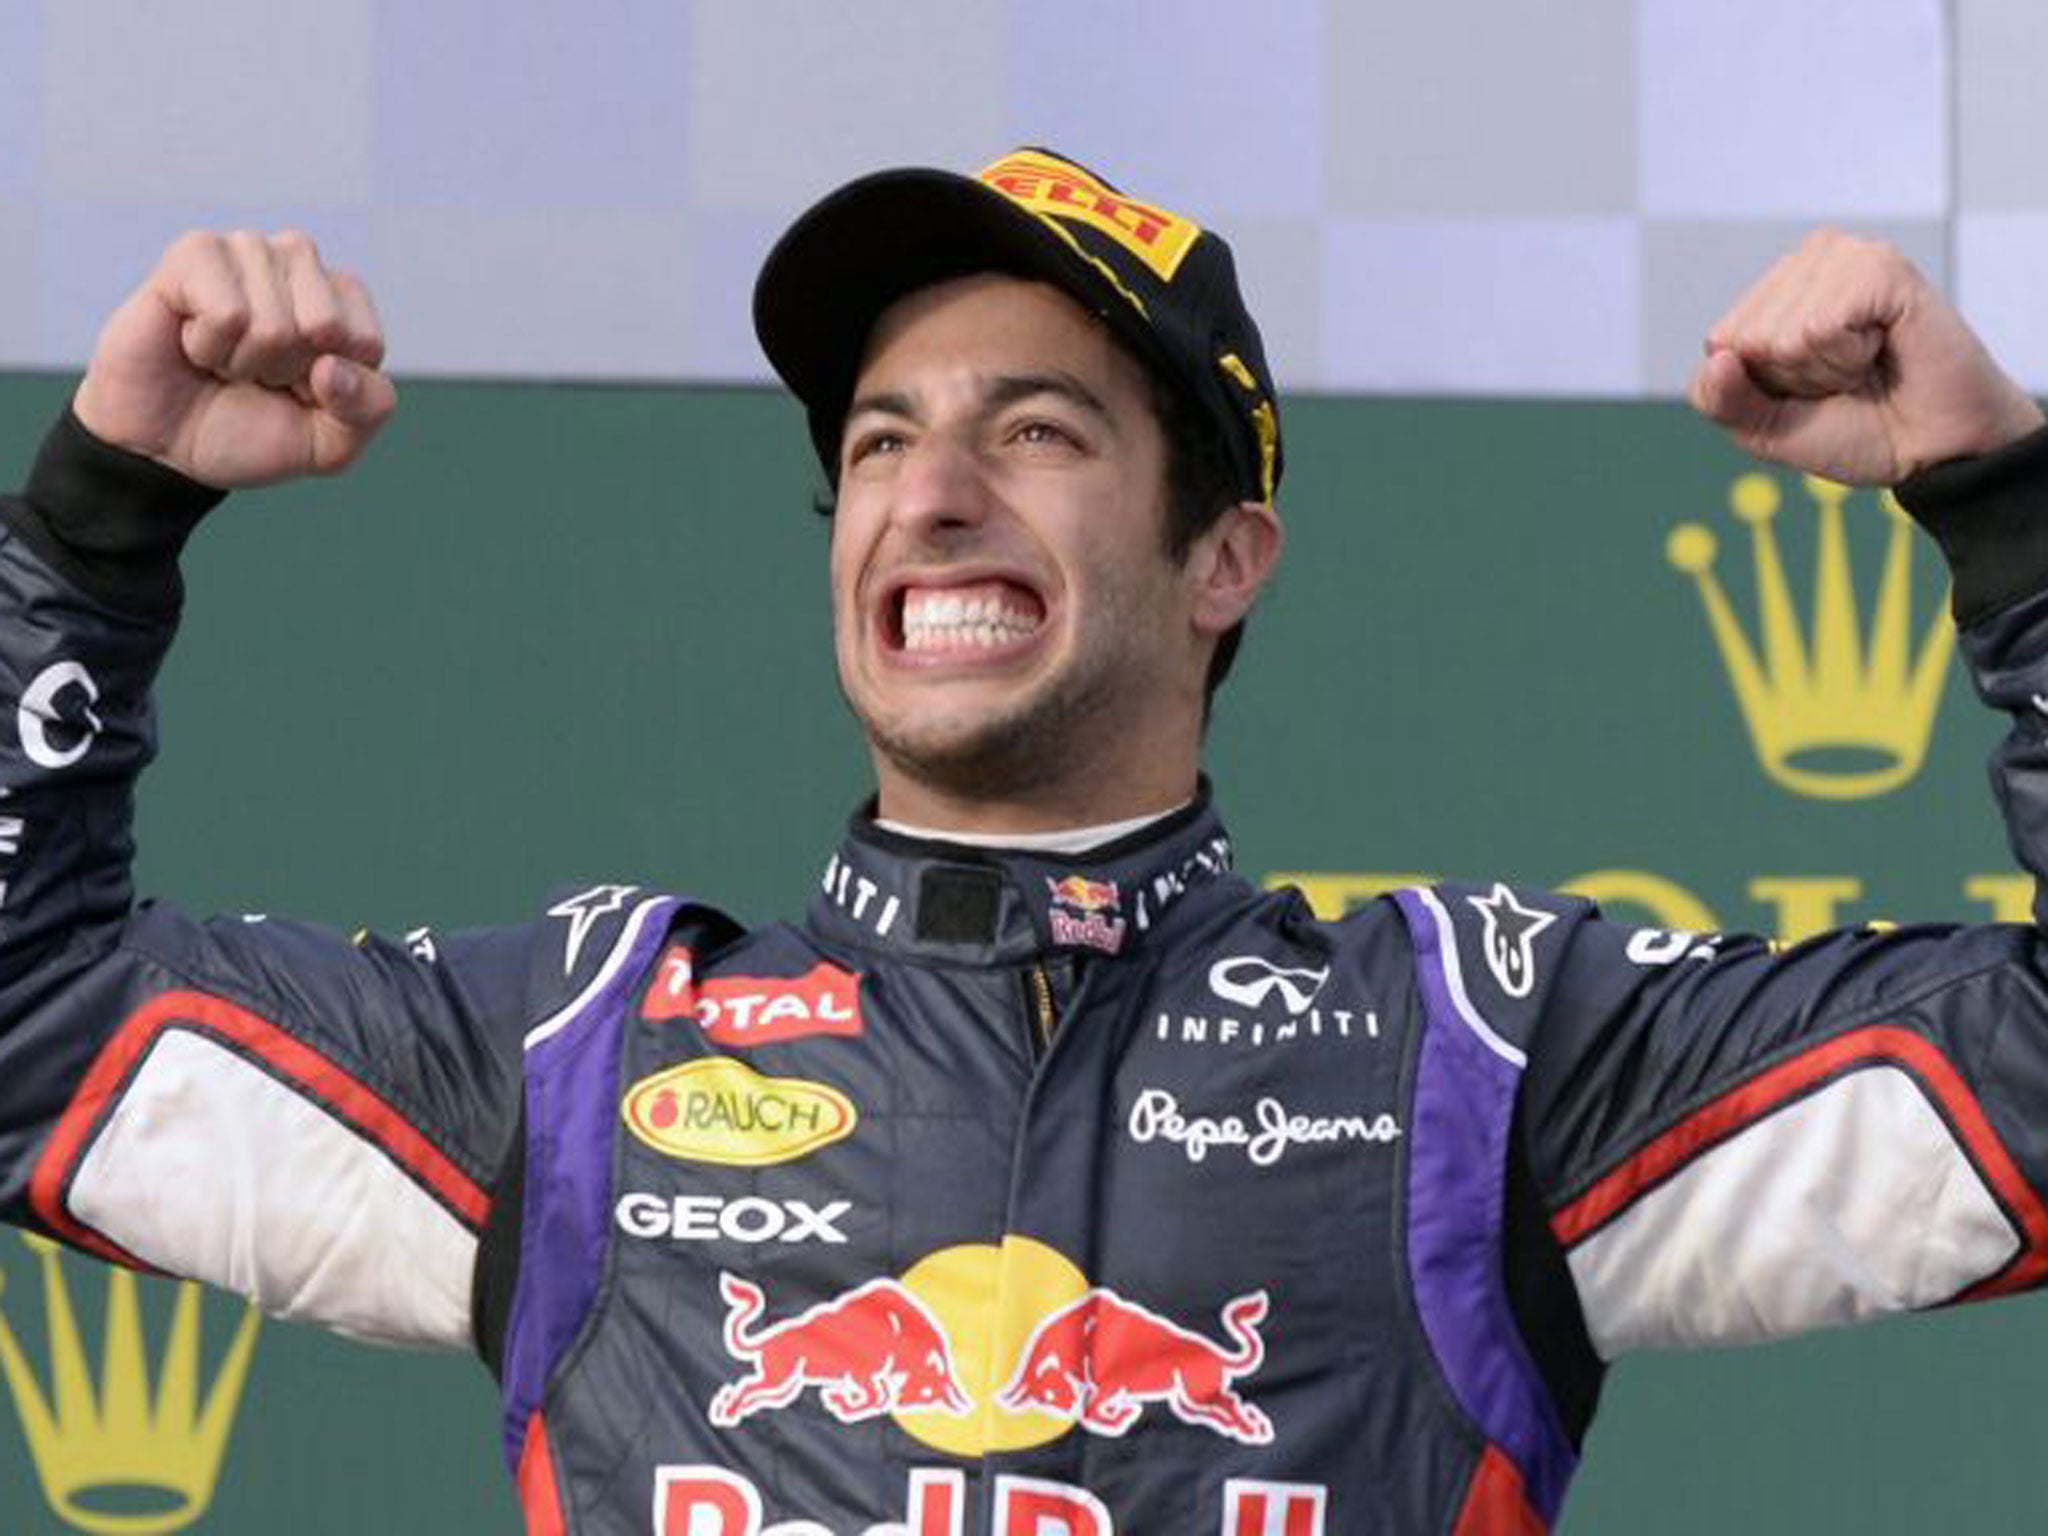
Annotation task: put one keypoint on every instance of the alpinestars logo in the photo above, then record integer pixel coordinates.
(1510, 939)
(582, 912)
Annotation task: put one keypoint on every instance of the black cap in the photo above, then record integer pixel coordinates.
(1166, 286)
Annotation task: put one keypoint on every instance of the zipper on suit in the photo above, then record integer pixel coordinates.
(1044, 1016)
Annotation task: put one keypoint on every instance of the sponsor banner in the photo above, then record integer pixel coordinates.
(716, 1110)
(742, 1011)
(1258, 1002)
(1263, 1136)
(714, 1501)
(747, 1219)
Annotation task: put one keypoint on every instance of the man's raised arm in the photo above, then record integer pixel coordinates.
(1737, 1142)
(313, 1120)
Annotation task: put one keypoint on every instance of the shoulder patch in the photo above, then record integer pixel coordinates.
(583, 913)
(1504, 946)
(1508, 940)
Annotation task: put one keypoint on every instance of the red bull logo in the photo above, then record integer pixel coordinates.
(1101, 1360)
(712, 1501)
(1086, 912)
(982, 1348)
(872, 1351)
(1084, 895)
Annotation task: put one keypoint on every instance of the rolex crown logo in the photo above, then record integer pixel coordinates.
(1835, 713)
(116, 1458)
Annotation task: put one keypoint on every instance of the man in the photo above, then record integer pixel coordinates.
(912, 1217)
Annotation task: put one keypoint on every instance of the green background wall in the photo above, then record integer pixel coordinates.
(552, 634)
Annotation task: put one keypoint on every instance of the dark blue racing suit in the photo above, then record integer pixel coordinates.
(1007, 1193)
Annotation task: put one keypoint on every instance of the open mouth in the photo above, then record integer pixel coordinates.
(981, 618)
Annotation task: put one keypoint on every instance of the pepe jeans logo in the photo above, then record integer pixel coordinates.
(1263, 1137)
(117, 1453)
(1834, 712)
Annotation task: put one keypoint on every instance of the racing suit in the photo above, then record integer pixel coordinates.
(1008, 1192)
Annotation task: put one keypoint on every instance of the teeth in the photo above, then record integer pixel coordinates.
(948, 621)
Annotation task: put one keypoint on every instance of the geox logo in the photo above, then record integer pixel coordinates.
(118, 1454)
(1834, 713)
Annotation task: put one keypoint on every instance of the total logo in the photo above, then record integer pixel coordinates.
(742, 1011)
(711, 1501)
(982, 1348)
(1265, 1003)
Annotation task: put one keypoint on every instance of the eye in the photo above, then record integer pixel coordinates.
(873, 442)
(1039, 432)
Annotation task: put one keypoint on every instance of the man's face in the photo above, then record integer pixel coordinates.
(1005, 613)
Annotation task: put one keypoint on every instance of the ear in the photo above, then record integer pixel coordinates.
(1230, 563)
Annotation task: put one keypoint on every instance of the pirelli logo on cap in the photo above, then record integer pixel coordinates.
(1051, 187)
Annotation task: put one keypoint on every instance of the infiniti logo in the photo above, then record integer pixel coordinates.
(1248, 981)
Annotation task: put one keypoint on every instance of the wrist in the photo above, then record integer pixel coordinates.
(113, 522)
(1989, 513)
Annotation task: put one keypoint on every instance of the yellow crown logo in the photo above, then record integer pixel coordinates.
(1832, 714)
(114, 1459)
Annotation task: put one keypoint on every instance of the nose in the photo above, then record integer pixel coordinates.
(940, 487)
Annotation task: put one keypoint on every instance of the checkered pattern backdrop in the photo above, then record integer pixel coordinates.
(1456, 196)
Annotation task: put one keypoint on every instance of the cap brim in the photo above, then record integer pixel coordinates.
(830, 277)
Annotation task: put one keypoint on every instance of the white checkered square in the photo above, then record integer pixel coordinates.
(2001, 103)
(1482, 109)
(465, 291)
(1506, 307)
(231, 101)
(1793, 109)
(2001, 258)
(1215, 111)
(788, 98)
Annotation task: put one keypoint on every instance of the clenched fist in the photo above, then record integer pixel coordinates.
(1845, 362)
(240, 361)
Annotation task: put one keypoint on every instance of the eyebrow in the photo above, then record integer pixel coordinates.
(1009, 389)
(1001, 392)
